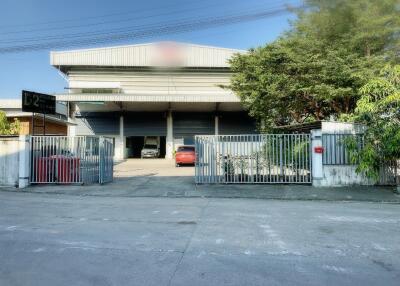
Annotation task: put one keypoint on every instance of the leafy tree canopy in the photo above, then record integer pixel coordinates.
(379, 109)
(7, 128)
(315, 70)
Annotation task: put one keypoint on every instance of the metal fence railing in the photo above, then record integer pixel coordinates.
(389, 173)
(67, 159)
(106, 160)
(336, 151)
(260, 158)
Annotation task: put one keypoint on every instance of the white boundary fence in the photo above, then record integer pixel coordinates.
(336, 153)
(255, 158)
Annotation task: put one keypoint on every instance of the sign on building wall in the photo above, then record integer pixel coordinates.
(38, 102)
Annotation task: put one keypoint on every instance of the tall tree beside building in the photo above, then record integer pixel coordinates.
(378, 109)
(7, 128)
(315, 70)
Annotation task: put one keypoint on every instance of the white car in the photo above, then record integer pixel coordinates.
(150, 151)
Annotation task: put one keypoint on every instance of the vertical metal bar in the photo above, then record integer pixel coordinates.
(304, 151)
(280, 159)
(33, 160)
(196, 160)
(47, 159)
(298, 150)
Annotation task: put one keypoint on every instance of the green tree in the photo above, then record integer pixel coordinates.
(379, 109)
(7, 128)
(315, 70)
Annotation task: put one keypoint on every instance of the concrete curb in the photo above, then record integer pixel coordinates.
(342, 200)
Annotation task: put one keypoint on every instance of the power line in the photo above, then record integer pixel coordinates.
(152, 32)
(163, 8)
(87, 17)
(117, 30)
(55, 28)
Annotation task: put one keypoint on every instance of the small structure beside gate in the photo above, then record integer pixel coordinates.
(71, 160)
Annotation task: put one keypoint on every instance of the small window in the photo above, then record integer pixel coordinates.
(99, 90)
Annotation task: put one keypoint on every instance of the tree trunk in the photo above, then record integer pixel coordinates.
(367, 51)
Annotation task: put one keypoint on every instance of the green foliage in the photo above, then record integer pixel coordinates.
(7, 128)
(315, 70)
(379, 109)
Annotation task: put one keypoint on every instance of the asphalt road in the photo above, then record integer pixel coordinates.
(76, 240)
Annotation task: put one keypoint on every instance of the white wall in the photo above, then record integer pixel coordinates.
(332, 127)
(143, 83)
(336, 175)
(341, 175)
(9, 161)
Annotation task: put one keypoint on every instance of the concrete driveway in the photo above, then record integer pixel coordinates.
(73, 240)
(151, 167)
(160, 178)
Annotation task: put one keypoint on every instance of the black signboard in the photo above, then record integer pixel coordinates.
(38, 102)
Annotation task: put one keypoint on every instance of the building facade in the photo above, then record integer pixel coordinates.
(170, 91)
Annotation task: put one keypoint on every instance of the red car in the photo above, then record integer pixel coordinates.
(185, 155)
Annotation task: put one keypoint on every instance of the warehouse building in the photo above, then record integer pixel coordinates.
(170, 91)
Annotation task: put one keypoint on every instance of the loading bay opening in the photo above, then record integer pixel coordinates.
(135, 144)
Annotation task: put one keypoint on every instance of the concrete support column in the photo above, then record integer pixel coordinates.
(71, 129)
(169, 148)
(216, 125)
(24, 166)
(316, 158)
(120, 148)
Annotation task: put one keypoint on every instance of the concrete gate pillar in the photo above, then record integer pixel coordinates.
(71, 129)
(24, 166)
(169, 148)
(316, 163)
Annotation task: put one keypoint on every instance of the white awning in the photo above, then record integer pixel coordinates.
(205, 97)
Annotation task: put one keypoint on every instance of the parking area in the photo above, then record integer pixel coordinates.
(151, 167)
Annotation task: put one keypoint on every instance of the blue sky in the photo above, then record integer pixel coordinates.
(33, 20)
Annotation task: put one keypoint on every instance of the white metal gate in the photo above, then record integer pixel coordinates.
(261, 158)
(66, 160)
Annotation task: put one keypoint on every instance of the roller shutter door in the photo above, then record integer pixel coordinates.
(190, 124)
(97, 124)
(236, 123)
(145, 124)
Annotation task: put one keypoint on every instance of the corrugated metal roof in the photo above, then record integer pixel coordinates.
(147, 55)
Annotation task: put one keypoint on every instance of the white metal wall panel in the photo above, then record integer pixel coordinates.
(143, 55)
(151, 86)
(82, 127)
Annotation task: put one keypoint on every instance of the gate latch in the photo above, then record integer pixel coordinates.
(319, 149)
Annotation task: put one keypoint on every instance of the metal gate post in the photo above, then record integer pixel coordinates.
(101, 159)
(280, 159)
